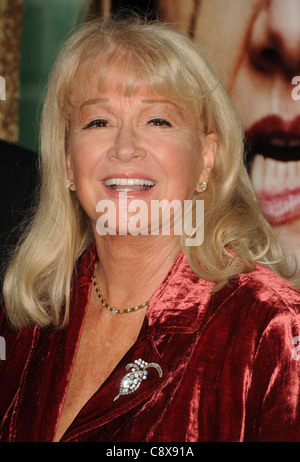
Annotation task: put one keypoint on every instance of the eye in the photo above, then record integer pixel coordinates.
(96, 123)
(160, 122)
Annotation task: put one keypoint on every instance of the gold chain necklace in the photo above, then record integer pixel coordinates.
(106, 305)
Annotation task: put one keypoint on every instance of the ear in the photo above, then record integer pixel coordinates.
(209, 149)
(70, 176)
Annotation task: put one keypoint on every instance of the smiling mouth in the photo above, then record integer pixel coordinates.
(128, 184)
(274, 167)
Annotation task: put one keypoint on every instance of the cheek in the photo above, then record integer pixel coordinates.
(183, 165)
(84, 155)
(181, 160)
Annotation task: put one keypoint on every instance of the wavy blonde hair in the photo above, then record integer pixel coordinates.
(38, 280)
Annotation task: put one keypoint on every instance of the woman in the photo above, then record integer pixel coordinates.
(145, 337)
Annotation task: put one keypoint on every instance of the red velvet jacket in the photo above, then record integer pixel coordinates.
(228, 367)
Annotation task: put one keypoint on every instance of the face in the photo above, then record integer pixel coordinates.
(256, 51)
(145, 146)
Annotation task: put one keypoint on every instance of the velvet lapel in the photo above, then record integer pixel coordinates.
(166, 315)
(102, 407)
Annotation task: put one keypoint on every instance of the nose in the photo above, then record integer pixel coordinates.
(275, 37)
(126, 145)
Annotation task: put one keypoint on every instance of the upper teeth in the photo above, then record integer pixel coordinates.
(273, 176)
(282, 142)
(128, 182)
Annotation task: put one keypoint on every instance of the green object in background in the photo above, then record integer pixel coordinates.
(45, 25)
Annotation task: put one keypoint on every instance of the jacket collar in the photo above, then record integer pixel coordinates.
(179, 303)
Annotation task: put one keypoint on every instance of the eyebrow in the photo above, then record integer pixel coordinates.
(94, 101)
(163, 101)
(158, 100)
(144, 100)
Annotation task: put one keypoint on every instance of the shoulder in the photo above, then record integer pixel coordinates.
(256, 316)
(268, 288)
(252, 306)
(261, 288)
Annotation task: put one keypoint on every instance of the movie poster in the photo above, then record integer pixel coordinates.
(255, 48)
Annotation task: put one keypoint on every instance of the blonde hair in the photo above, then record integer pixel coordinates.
(38, 281)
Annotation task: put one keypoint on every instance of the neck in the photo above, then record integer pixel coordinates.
(132, 267)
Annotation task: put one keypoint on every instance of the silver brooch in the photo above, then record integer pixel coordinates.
(133, 379)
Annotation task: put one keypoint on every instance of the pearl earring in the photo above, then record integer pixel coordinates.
(203, 185)
(69, 183)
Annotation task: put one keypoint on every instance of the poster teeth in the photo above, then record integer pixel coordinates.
(273, 176)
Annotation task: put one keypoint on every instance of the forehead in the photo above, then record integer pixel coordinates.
(96, 82)
(128, 76)
(99, 81)
(114, 101)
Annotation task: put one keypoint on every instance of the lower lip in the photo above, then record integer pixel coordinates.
(281, 208)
